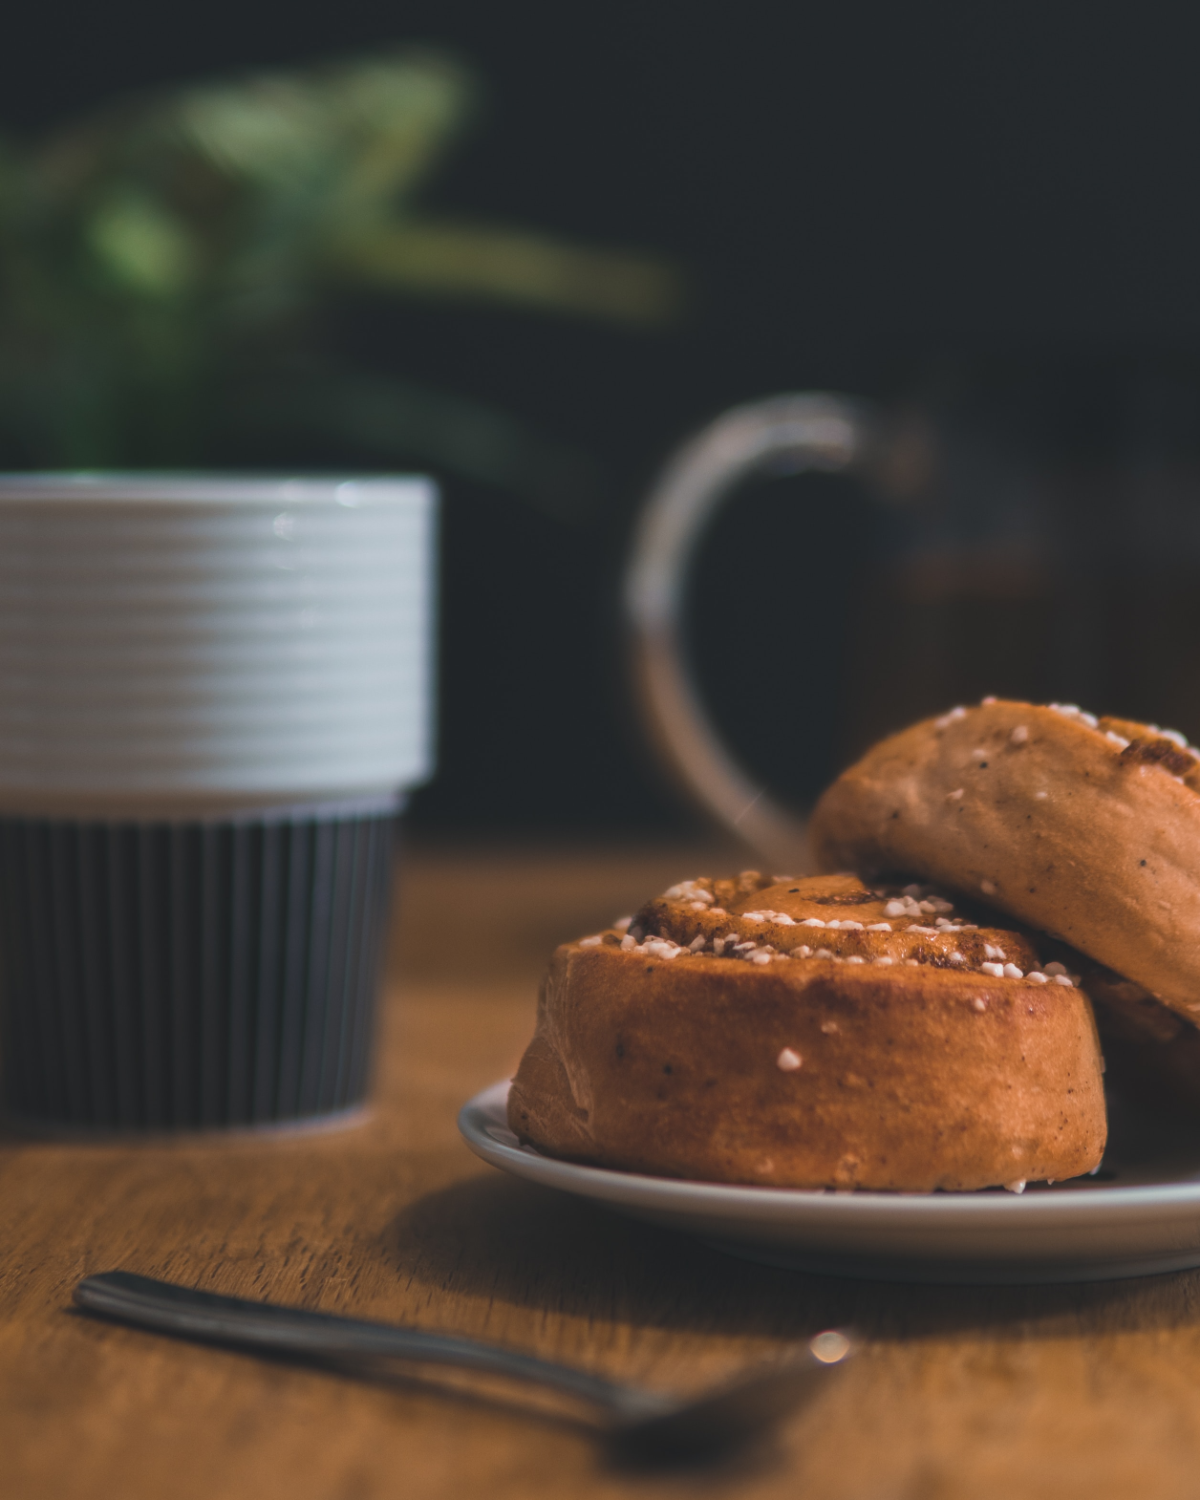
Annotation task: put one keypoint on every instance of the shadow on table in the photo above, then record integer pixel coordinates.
(491, 1236)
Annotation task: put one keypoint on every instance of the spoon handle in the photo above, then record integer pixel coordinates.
(212, 1319)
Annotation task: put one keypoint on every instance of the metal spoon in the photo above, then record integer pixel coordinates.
(645, 1424)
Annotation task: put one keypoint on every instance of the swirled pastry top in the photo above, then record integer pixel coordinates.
(760, 920)
(1086, 828)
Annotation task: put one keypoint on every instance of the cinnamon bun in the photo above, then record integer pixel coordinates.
(1085, 828)
(813, 1033)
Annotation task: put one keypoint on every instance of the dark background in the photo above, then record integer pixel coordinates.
(889, 199)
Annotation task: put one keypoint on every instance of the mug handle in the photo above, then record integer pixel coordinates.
(786, 434)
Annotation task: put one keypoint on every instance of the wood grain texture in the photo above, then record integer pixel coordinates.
(989, 1392)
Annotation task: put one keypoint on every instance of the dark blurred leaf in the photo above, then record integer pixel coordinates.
(437, 259)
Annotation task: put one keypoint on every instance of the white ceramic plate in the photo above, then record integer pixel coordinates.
(1139, 1216)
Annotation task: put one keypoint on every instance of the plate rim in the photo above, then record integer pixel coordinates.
(1046, 1209)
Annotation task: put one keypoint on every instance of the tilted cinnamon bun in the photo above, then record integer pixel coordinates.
(1086, 828)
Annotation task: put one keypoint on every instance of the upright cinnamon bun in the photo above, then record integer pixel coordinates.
(813, 1033)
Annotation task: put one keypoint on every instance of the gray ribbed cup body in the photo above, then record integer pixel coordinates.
(164, 975)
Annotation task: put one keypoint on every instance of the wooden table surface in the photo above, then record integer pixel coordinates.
(996, 1392)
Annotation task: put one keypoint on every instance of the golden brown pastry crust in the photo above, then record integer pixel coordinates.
(1087, 829)
(1152, 1053)
(869, 1068)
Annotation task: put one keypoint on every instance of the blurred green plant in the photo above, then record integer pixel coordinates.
(167, 266)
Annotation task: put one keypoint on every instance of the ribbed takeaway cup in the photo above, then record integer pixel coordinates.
(215, 694)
